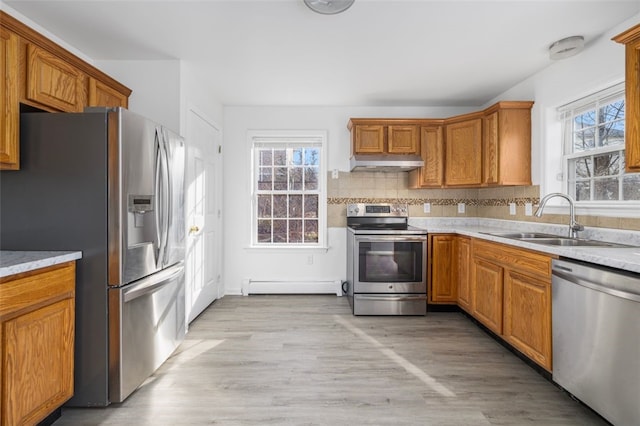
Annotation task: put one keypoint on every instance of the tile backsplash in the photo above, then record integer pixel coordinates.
(479, 202)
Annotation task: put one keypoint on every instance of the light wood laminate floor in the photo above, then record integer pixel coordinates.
(305, 360)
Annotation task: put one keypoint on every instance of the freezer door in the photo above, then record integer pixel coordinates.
(146, 324)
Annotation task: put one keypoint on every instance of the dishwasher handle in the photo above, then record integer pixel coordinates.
(599, 279)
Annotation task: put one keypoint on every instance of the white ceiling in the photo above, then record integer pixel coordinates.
(377, 53)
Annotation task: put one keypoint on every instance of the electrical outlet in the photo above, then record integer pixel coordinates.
(461, 207)
(310, 259)
(512, 209)
(528, 209)
(427, 207)
(335, 174)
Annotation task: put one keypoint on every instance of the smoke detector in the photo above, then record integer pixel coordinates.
(328, 7)
(566, 47)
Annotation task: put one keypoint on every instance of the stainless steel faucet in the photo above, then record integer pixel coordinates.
(574, 226)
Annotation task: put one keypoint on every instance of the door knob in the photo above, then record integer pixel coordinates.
(193, 229)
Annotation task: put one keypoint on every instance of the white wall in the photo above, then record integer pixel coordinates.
(155, 88)
(600, 65)
(241, 262)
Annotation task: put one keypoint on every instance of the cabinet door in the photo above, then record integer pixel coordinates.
(490, 142)
(101, 94)
(486, 294)
(403, 139)
(443, 283)
(632, 103)
(53, 82)
(463, 159)
(462, 266)
(369, 139)
(38, 363)
(9, 106)
(527, 316)
(432, 152)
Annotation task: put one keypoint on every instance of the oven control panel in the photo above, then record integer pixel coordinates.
(378, 210)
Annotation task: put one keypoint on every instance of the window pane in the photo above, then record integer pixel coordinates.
(607, 164)
(280, 157)
(296, 157)
(631, 187)
(311, 178)
(310, 231)
(312, 156)
(611, 112)
(584, 120)
(264, 231)
(583, 191)
(584, 139)
(605, 189)
(280, 206)
(295, 179)
(295, 231)
(612, 133)
(279, 231)
(280, 181)
(265, 157)
(264, 206)
(311, 206)
(295, 206)
(581, 167)
(265, 178)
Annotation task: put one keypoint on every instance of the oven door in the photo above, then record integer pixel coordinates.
(390, 264)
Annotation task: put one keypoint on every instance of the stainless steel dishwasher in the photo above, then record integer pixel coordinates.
(596, 338)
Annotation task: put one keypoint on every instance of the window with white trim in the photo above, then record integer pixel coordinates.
(288, 190)
(593, 140)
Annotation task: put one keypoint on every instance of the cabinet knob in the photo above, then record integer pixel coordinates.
(194, 229)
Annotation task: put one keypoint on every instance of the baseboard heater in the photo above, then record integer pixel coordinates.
(256, 286)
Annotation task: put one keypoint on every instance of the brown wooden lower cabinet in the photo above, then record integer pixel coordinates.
(37, 318)
(463, 270)
(486, 294)
(527, 316)
(511, 295)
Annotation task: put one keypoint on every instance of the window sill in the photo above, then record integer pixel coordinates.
(288, 249)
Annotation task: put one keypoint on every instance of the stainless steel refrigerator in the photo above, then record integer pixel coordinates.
(107, 182)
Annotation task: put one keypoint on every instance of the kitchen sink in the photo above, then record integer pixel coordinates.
(521, 235)
(571, 242)
(554, 240)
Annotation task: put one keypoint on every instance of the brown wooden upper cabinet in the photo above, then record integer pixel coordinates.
(384, 136)
(485, 148)
(432, 153)
(631, 39)
(463, 152)
(506, 139)
(39, 73)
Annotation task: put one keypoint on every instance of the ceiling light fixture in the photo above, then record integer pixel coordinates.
(566, 47)
(328, 7)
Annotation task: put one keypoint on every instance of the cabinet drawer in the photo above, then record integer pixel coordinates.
(53, 82)
(514, 258)
(30, 291)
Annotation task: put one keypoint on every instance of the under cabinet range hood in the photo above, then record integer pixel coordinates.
(385, 162)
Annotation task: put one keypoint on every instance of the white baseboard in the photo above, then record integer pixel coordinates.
(252, 286)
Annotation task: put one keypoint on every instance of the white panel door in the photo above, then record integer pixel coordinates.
(203, 190)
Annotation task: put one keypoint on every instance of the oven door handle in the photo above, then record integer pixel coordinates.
(385, 238)
(391, 298)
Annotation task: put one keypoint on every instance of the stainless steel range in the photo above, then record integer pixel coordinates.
(386, 261)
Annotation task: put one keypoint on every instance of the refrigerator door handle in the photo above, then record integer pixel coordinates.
(152, 283)
(166, 183)
(157, 207)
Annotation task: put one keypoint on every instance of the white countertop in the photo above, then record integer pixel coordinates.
(15, 262)
(627, 258)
